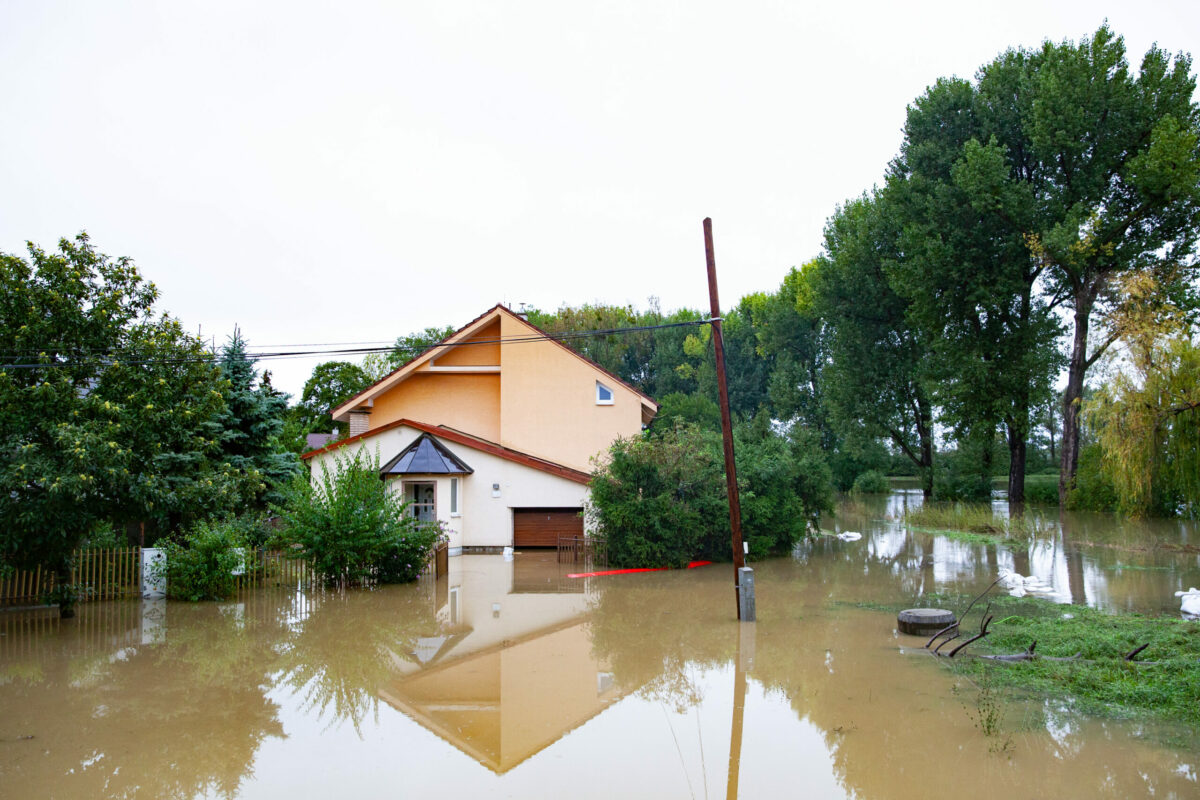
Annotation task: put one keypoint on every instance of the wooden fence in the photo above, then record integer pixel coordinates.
(273, 568)
(590, 551)
(98, 574)
(117, 574)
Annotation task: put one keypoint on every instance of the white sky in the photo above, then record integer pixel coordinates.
(336, 172)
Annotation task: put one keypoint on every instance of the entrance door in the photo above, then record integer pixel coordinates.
(541, 527)
(422, 500)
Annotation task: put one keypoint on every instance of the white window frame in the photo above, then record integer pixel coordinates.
(413, 507)
(611, 395)
(455, 497)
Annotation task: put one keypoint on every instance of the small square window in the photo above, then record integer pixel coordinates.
(604, 395)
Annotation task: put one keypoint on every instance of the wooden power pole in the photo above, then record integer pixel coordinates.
(743, 578)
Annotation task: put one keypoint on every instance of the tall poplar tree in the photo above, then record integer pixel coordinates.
(1110, 170)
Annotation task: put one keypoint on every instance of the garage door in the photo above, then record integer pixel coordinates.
(541, 527)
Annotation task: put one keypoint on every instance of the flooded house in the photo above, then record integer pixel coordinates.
(492, 432)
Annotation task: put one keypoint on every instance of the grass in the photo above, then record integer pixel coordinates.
(1101, 683)
(970, 537)
(969, 522)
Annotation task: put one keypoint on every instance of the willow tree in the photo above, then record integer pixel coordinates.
(1147, 417)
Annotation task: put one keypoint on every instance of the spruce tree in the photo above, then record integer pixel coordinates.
(253, 422)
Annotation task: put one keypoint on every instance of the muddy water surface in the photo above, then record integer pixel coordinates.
(509, 679)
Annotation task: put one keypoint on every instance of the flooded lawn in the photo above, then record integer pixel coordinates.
(509, 679)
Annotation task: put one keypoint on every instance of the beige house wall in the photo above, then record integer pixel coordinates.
(548, 402)
(470, 403)
(482, 350)
(484, 520)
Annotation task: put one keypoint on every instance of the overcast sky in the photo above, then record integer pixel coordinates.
(345, 172)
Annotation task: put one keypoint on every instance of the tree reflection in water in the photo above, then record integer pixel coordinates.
(342, 654)
(105, 725)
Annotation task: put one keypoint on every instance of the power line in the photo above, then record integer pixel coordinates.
(109, 357)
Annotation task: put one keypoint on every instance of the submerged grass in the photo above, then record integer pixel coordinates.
(964, 520)
(971, 537)
(1162, 682)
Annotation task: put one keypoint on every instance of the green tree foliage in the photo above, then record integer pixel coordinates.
(791, 336)
(353, 529)
(1146, 418)
(963, 265)
(689, 408)
(163, 404)
(1104, 179)
(876, 381)
(331, 384)
(872, 482)
(108, 411)
(660, 499)
(253, 423)
(63, 312)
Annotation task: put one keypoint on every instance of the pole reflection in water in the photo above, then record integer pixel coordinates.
(743, 663)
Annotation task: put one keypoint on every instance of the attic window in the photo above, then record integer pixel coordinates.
(604, 395)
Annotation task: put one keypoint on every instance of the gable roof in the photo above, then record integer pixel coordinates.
(425, 456)
(474, 442)
(465, 332)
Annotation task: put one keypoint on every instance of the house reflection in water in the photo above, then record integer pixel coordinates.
(512, 670)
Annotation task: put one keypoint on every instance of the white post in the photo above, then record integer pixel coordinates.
(154, 621)
(154, 573)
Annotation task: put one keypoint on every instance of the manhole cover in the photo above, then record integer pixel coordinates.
(923, 621)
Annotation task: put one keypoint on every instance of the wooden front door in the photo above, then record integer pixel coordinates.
(541, 527)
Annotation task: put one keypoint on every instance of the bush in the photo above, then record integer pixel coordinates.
(1042, 489)
(1093, 490)
(201, 566)
(352, 529)
(954, 481)
(871, 482)
(660, 499)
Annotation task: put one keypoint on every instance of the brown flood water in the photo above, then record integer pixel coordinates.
(509, 679)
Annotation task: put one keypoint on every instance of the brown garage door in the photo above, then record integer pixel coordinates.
(541, 527)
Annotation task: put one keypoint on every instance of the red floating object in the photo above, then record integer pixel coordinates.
(691, 565)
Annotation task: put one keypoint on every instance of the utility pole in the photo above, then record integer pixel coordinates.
(743, 578)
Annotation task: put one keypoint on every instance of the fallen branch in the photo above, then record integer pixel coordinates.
(948, 640)
(1129, 656)
(963, 615)
(946, 629)
(1028, 655)
(983, 631)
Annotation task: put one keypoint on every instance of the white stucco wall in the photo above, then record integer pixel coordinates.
(484, 521)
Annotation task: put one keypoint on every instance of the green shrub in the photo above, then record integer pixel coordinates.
(1042, 489)
(201, 566)
(871, 482)
(1093, 490)
(352, 529)
(952, 482)
(403, 560)
(660, 500)
(103, 536)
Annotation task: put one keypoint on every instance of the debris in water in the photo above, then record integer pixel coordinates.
(1190, 601)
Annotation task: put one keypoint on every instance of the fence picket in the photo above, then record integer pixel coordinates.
(116, 574)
